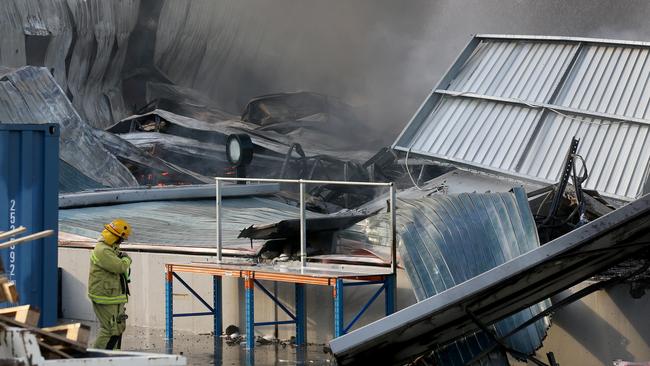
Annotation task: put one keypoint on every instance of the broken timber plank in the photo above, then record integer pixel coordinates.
(53, 350)
(51, 338)
(76, 332)
(9, 292)
(25, 314)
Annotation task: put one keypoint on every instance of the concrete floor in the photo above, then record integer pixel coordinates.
(203, 349)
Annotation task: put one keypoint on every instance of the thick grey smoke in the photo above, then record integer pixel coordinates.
(382, 55)
(385, 55)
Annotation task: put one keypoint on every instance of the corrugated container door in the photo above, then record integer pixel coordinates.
(29, 158)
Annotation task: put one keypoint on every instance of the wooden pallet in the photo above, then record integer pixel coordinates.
(25, 314)
(8, 292)
(75, 332)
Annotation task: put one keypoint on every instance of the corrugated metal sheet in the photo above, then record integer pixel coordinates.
(445, 240)
(181, 223)
(31, 95)
(539, 274)
(511, 104)
(72, 180)
(524, 70)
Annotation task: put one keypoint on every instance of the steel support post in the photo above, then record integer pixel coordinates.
(217, 306)
(393, 230)
(301, 315)
(249, 286)
(218, 218)
(303, 227)
(390, 288)
(250, 358)
(338, 309)
(169, 306)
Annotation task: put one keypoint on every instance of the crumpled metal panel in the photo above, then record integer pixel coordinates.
(511, 104)
(44, 19)
(72, 180)
(31, 95)
(313, 140)
(182, 223)
(13, 36)
(445, 240)
(185, 102)
(128, 152)
(94, 77)
(101, 31)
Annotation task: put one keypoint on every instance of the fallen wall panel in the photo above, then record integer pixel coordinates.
(504, 290)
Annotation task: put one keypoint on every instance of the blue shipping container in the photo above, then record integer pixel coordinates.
(29, 164)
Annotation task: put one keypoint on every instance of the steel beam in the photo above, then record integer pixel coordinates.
(169, 307)
(598, 41)
(217, 305)
(301, 315)
(303, 226)
(306, 181)
(393, 230)
(185, 315)
(191, 290)
(390, 289)
(363, 309)
(218, 218)
(145, 194)
(249, 289)
(548, 106)
(275, 299)
(338, 309)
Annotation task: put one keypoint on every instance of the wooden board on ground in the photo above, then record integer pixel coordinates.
(50, 339)
(25, 314)
(76, 332)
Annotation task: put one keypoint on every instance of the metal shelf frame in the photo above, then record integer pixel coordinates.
(386, 284)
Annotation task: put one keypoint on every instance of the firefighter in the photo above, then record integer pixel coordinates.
(108, 284)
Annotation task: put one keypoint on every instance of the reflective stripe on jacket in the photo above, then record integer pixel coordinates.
(106, 268)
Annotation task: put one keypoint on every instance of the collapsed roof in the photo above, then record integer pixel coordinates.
(174, 149)
(31, 95)
(511, 104)
(322, 126)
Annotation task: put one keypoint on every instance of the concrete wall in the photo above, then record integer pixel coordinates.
(600, 328)
(146, 306)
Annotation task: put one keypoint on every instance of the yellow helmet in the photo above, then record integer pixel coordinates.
(117, 229)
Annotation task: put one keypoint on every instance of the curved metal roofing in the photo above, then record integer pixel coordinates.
(445, 240)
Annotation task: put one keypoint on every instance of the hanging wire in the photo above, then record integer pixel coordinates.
(408, 171)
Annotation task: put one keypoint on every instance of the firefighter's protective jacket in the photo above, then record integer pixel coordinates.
(107, 272)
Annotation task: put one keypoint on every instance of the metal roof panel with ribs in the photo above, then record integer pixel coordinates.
(511, 104)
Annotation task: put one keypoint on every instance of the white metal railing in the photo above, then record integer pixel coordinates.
(303, 219)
